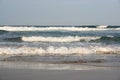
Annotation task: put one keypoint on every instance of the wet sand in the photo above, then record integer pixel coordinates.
(39, 74)
(38, 71)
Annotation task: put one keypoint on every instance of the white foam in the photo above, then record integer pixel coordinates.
(105, 26)
(117, 29)
(10, 28)
(58, 39)
(51, 50)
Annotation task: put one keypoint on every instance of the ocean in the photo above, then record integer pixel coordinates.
(91, 45)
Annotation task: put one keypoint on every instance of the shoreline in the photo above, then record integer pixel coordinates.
(38, 74)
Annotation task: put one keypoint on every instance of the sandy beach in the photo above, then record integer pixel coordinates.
(35, 74)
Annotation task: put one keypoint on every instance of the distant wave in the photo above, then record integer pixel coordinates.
(10, 28)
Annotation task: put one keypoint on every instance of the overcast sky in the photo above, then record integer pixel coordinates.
(55, 12)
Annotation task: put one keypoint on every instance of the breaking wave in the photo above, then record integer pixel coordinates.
(58, 39)
(52, 50)
(10, 28)
(103, 39)
(94, 54)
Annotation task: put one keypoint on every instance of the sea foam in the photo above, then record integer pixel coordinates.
(52, 50)
(58, 39)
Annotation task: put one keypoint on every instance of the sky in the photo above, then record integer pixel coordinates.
(59, 12)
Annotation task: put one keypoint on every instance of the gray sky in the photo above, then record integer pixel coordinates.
(64, 12)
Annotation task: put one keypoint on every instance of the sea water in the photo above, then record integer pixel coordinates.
(61, 44)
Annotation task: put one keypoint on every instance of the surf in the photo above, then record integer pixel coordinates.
(58, 39)
(10, 28)
(63, 50)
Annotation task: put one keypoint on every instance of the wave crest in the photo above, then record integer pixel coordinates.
(58, 39)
